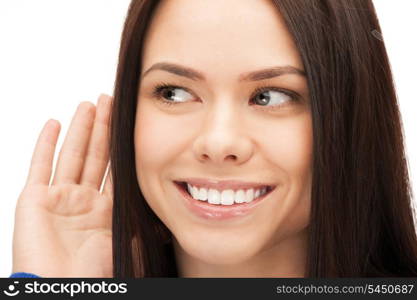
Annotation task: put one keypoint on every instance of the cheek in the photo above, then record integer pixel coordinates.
(289, 146)
(294, 148)
(159, 138)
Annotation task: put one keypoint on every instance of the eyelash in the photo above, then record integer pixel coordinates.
(159, 88)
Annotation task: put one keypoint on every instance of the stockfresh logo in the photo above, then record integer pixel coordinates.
(12, 290)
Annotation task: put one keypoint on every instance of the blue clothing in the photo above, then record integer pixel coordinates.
(24, 275)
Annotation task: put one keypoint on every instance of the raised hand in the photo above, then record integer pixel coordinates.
(63, 227)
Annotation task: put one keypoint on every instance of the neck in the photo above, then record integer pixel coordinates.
(286, 258)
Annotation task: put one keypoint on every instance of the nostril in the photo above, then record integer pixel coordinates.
(204, 156)
(231, 157)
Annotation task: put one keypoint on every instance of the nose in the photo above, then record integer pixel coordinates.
(221, 137)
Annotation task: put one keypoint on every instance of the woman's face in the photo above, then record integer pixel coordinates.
(220, 134)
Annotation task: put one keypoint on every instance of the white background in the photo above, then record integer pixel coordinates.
(55, 54)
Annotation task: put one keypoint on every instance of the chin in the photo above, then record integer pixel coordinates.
(218, 251)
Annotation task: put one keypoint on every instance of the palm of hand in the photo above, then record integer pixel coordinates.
(64, 229)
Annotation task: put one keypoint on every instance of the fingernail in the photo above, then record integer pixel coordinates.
(88, 107)
(103, 97)
(52, 122)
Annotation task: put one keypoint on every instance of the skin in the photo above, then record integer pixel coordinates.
(218, 132)
(63, 222)
(63, 218)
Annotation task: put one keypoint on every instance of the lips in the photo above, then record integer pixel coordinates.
(210, 211)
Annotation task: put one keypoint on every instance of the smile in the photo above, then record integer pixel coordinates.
(222, 199)
(226, 196)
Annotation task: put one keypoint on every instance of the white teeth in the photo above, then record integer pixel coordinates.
(194, 192)
(249, 195)
(214, 196)
(202, 194)
(240, 196)
(225, 197)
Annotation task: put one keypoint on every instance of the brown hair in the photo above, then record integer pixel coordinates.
(361, 216)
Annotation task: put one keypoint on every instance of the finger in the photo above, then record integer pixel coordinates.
(108, 183)
(72, 155)
(43, 155)
(98, 150)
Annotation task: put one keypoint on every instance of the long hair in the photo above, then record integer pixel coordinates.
(361, 222)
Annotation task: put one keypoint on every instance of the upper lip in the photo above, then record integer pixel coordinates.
(224, 184)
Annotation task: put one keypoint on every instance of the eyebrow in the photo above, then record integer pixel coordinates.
(248, 76)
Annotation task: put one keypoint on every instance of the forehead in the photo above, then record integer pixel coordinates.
(219, 37)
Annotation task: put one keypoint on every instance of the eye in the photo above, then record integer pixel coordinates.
(171, 94)
(269, 97)
(272, 96)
